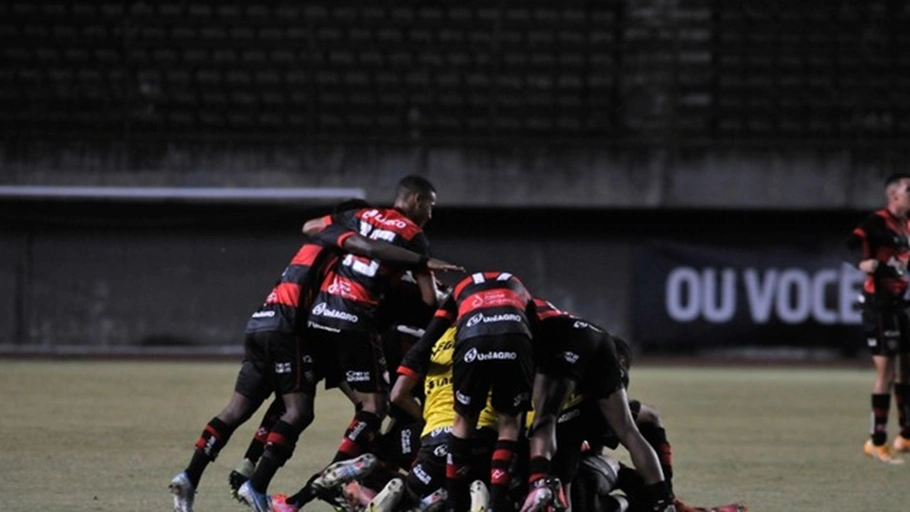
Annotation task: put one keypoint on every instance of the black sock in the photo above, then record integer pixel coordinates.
(278, 449)
(257, 445)
(358, 436)
(901, 394)
(215, 435)
(500, 478)
(538, 468)
(657, 438)
(457, 470)
(881, 403)
(305, 494)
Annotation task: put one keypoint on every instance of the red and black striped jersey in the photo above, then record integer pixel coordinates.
(884, 237)
(489, 304)
(354, 286)
(290, 300)
(546, 309)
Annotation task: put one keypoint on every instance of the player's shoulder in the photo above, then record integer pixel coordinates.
(390, 218)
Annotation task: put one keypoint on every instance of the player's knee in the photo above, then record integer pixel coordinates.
(376, 403)
(648, 415)
(235, 414)
(299, 417)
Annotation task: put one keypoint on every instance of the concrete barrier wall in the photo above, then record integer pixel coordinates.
(152, 275)
(521, 176)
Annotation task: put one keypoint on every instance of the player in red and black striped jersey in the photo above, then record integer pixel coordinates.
(573, 355)
(344, 313)
(880, 248)
(494, 315)
(275, 360)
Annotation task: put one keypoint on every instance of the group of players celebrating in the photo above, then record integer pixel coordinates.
(501, 402)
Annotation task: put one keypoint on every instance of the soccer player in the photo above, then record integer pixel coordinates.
(880, 248)
(494, 315)
(345, 315)
(426, 481)
(573, 354)
(275, 360)
(404, 315)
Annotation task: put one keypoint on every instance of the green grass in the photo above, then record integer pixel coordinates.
(108, 436)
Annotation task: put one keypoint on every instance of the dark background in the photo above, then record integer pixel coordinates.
(569, 141)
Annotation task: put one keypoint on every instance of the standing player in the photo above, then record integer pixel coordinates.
(571, 355)
(880, 249)
(275, 361)
(426, 480)
(494, 314)
(345, 313)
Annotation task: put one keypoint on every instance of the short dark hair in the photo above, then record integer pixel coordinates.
(623, 350)
(894, 178)
(414, 184)
(351, 204)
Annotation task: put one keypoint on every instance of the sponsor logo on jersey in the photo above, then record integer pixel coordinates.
(462, 398)
(568, 415)
(263, 314)
(480, 318)
(440, 451)
(585, 325)
(473, 355)
(322, 309)
(282, 368)
(570, 357)
(383, 220)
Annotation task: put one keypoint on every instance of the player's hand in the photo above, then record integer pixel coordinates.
(869, 266)
(443, 266)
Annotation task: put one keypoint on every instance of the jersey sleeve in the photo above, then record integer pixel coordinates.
(447, 311)
(860, 241)
(338, 228)
(415, 362)
(419, 244)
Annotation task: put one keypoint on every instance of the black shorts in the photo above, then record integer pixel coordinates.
(355, 357)
(574, 349)
(274, 362)
(887, 329)
(398, 447)
(429, 470)
(498, 365)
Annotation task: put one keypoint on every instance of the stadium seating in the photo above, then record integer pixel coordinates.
(604, 72)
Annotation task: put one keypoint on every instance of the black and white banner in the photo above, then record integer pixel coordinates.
(691, 296)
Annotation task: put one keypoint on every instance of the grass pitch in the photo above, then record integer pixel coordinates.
(108, 436)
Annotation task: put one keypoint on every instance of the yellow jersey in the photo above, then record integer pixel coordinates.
(439, 405)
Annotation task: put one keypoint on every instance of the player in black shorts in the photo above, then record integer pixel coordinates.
(345, 315)
(881, 249)
(494, 315)
(575, 355)
(273, 362)
(276, 360)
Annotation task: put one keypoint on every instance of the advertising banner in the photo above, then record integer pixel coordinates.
(688, 296)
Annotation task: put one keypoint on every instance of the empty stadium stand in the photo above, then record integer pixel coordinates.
(669, 71)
